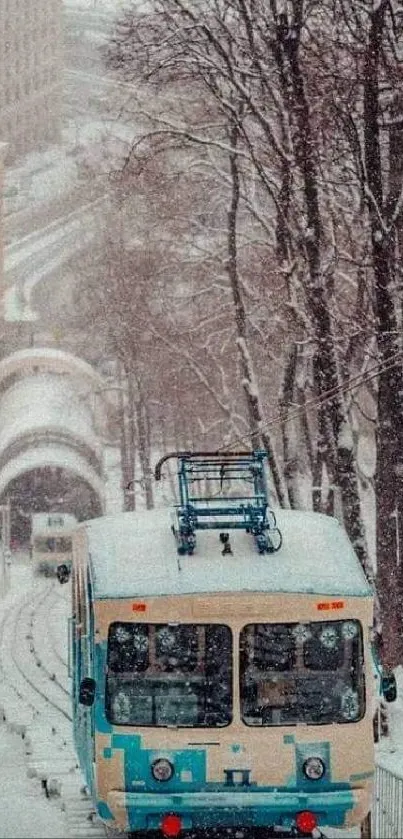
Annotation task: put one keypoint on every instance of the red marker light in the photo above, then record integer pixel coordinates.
(171, 825)
(305, 821)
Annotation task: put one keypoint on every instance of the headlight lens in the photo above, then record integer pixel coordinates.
(314, 768)
(162, 769)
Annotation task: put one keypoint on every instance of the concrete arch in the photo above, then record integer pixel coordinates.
(56, 411)
(47, 360)
(45, 404)
(88, 382)
(58, 456)
(49, 437)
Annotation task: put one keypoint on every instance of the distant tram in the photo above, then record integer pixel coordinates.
(222, 667)
(51, 541)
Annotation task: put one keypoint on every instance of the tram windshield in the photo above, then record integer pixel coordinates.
(308, 673)
(53, 544)
(169, 675)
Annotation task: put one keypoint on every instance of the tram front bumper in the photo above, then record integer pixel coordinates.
(138, 811)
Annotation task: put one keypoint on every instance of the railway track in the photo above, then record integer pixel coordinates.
(35, 695)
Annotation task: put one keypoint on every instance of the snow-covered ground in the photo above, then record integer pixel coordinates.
(40, 783)
(24, 809)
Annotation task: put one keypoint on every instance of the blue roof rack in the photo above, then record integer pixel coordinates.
(206, 502)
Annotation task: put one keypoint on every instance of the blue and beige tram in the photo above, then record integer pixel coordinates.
(221, 679)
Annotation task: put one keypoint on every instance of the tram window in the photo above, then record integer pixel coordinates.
(302, 673)
(128, 647)
(274, 647)
(53, 544)
(55, 521)
(169, 675)
(174, 645)
(323, 650)
(63, 544)
(45, 545)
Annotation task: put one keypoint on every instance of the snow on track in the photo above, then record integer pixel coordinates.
(35, 691)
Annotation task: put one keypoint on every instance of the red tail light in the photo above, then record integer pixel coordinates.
(305, 821)
(171, 825)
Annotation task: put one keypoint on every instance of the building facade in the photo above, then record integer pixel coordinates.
(3, 152)
(30, 73)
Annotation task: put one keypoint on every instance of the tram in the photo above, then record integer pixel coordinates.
(221, 662)
(51, 541)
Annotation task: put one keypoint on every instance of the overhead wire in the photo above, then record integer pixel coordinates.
(355, 381)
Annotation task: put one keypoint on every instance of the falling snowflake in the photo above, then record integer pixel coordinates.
(349, 704)
(302, 633)
(140, 642)
(122, 635)
(167, 639)
(328, 638)
(349, 630)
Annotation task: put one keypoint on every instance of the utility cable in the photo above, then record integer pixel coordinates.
(328, 396)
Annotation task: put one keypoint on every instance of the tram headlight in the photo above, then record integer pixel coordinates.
(314, 768)
(162, 769)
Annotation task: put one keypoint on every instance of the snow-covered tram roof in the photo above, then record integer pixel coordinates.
(135, 554)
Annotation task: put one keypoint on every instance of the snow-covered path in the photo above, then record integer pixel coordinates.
(24, 809)
(35, 733)
(36, 255)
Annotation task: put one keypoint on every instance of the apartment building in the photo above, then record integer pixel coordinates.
(30, 74)
(3, 152)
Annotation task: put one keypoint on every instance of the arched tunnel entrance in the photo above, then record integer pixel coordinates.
(57, 430)
(47, 489)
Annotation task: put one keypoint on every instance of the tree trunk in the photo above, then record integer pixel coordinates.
(258, 435)
(327, 371)
(290, 456)
(144, 452)
(130, 446)
(390, 390)
(126, 444)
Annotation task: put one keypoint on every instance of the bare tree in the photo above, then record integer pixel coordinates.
(238, 52)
